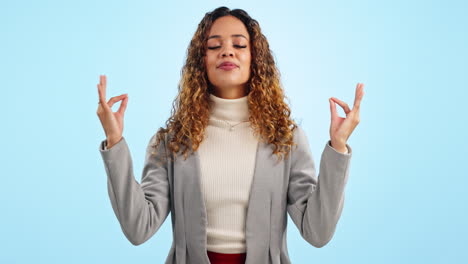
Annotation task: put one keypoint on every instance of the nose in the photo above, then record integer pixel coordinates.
(227, 52)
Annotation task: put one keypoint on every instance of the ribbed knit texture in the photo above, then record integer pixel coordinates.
(227, 160)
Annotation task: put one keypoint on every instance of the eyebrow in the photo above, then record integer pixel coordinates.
(235, 35)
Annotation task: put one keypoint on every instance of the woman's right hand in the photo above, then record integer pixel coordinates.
(111, 122)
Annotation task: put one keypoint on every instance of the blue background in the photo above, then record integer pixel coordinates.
(406, 195)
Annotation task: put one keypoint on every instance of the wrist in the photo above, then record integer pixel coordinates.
(342, 150)
(340, 147)
(111, 142)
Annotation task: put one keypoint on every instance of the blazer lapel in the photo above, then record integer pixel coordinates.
(259, 207)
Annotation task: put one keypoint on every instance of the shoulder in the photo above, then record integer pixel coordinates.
(300, 137)
(158, 145)
(165, 137)
(300, 149)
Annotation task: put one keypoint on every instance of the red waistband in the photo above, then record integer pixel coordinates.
(223, 258)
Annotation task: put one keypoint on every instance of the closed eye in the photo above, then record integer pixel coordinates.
(237, 46)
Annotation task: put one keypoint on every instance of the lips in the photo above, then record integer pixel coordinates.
(227, 65)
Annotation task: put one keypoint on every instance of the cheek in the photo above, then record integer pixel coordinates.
(209, 62)
(247, 57)
(247, 60)
(210, 66)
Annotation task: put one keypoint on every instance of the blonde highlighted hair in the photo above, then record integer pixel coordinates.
(269, 114)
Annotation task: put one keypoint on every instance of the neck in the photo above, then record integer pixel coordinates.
(230, 92)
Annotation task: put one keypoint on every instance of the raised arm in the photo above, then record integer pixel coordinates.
(140, 208)
(315, 203)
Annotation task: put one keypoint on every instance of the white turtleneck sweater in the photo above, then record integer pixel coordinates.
(227, 160)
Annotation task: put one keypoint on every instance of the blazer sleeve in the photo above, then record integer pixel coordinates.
(140, 208)
(315, 203)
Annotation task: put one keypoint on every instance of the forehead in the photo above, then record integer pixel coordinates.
(226, 26)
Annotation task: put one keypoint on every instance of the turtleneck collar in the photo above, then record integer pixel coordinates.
(235, 110)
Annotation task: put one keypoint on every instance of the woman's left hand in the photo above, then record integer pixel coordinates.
(341, 128)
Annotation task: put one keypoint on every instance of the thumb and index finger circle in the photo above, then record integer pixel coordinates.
(115, 99)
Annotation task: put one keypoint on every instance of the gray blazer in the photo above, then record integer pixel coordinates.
(313, 202)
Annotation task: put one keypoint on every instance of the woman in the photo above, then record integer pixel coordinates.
(214, 167)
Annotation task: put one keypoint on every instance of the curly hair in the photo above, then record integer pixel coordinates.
(269, 115)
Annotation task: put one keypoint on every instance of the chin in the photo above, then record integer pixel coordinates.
(230, 82)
